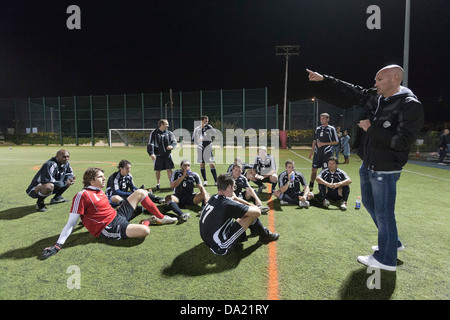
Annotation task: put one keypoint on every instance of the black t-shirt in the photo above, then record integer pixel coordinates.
(187, 185)
(217, 216)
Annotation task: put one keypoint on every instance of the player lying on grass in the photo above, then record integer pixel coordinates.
(225, 219)
(100, 219)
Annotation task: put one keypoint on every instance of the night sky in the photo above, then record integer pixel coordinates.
(152, 46)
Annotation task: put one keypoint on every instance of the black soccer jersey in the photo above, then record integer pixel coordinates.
(120, 185)
(217, 217)
(333, 177)
(295, 186)
(205, 134)
(264, 166)
(325, 134)
(188, 183)
(240, 184)
(245, 166)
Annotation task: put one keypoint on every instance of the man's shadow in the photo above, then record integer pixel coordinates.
(17, 213)
(75, 239)
(366, 284)
(200, 260)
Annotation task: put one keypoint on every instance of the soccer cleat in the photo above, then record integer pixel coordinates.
(158, 187)
(304, 204)
(185, 216)
(263, 209)
(165, 220)
(401, 248)
(58, 200)
(40, 207)
(268, 237)
(205, 183)
(282, 202)
(370, 261)
(326, 203)
(343, 206)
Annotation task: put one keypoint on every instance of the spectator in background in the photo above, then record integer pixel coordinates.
(443, 145)
(345, 142)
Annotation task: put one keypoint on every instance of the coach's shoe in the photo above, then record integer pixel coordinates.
(56, 200)
(401, 248)
(326, 203)
(268, 237)
(343, 205)
(370, 261)
(40, 207)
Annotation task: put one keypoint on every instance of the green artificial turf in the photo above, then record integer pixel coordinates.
(316, 252)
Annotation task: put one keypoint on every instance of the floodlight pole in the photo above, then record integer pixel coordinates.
(286, 51)
(406, 43)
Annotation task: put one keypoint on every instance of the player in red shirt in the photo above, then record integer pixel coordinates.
(100, 219)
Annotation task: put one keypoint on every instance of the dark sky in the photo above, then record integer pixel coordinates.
(152, 46)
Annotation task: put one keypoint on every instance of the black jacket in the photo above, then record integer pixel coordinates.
(159, 141)
(396, 122)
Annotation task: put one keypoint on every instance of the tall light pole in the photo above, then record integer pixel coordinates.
(406, 43)
(286, 51)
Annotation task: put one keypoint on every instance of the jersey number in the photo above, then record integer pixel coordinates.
(207, 210)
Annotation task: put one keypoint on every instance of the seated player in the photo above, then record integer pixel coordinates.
(245, 166)
(99, 218)
(264, 170)
(225, 219)
(334, 184)
(183, 181)
(121, 184)
(54, 177)
(290, 182)
(243, 190)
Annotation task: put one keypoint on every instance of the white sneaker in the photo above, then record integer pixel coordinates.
(370, 261)
(401, 248)
(205, 183)
(283, 202)
(303, 204)
(343, 206)
(326, 203)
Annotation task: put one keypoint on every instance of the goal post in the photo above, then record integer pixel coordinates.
(129, 137)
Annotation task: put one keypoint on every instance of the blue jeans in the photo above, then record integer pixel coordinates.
(378, 193)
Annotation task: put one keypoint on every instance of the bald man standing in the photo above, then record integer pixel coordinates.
(54, 177)
(389, 125)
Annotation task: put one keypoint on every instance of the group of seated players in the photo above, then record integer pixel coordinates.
(108, 214)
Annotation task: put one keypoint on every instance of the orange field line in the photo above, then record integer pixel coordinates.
(272, 287)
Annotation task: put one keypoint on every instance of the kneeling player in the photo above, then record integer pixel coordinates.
(99, 218)
(225, 219)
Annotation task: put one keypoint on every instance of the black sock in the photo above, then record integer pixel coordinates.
(214, 174)
(311, 184)
(203, 171)
(257, 228)
(40, 199)
(175, 208)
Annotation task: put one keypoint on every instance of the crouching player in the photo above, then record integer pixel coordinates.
(225, 219)
(100, 219)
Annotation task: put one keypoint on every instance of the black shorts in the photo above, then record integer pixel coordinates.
(292, 198)
(320, 159)
(164, 162)
(234, 234)
(205, 154)
(185, 199)
(116, 229)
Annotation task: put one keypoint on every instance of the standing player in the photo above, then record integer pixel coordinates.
(225, 219)
(183, 182)
(243, 190)
(202, 135)
(264, 170)
(159, 148)
(325, 137)
(99, 218)
(290, 182)
(334, 184)
(54, 177)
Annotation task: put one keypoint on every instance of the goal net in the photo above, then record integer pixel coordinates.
(129, 137)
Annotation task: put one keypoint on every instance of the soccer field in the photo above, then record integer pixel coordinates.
(315, 257)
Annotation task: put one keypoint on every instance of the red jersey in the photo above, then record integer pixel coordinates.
(94, 209)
